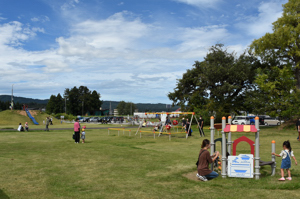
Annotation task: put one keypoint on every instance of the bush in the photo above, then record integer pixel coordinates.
(66, 116)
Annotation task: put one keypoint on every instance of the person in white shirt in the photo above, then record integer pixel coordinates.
(286, 155)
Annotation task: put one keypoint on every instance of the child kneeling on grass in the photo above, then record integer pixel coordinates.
(286, 155)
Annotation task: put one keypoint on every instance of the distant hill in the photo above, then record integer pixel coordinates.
(23, 100)
(141, 106)
(105, 105)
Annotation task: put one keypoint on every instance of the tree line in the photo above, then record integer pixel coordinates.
(126, 108)
(75, 101)
(6, 105)
(265, 79)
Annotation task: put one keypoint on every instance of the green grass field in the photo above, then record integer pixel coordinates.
(11, 119)
(42, 164)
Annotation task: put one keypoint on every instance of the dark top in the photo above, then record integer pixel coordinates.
(183, 122)
(187, 126)
(297, 124)
(204, 161)
(200, 121)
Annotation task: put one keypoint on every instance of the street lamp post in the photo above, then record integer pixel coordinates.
(65, 96)
(12, 97)
(82, 107)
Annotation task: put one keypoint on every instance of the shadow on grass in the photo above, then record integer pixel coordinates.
(3, 195)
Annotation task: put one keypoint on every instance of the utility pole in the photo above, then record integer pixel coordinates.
(82, 107)
(12, 97)
(110, 113)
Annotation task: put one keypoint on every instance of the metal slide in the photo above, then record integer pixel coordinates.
(30, 116)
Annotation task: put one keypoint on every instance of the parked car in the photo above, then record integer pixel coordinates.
(262, 119)
(106, 119)
(121, 119)
(109, 119)
(272, 121)
(94, 119)
(102, 119)
(84, 119)
(241, 120)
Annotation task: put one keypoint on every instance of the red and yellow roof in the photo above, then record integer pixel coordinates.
(240, 128)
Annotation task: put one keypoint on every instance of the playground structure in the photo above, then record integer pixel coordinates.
(162, 124)
(240, 128)
(164, 117)
(31, 117)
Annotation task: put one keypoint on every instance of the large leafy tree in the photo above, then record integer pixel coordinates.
(125, 108)
(121, 107)
(80, 100)
(51, 105)
(279, 78)
(218, 84)
(59, 104)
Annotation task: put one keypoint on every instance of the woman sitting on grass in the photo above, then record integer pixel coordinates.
(20, 128)
(204, 172)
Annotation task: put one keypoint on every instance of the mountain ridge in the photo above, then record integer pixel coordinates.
(142, 107)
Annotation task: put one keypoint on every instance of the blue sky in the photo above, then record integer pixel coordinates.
(131, 50)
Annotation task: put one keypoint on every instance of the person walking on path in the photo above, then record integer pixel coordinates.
(200, 126)
(77, 130)
(286, 155)
(47, 124)
(204, 173)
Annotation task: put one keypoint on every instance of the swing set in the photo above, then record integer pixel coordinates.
(164, 118)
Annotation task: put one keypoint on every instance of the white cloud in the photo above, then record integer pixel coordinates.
(2, 18)
(120, 54)
(54, 66)
(200, 3)
(260, 24)
(120, 37)
(14, 33)
(40, 19)
(104, 39)
(69, 4)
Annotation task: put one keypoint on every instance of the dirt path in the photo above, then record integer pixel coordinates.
(33, 113)
(191, 176)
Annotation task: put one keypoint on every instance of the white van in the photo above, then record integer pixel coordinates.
(241, 120)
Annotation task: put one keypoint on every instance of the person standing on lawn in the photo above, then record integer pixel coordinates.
(77, 130)
(47, 124)
(200, 126)
(287, 155)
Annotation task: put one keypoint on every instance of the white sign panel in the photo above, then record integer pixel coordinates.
(240, 166)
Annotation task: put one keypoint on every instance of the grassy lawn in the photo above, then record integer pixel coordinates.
(42, 164)
(11, 119)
